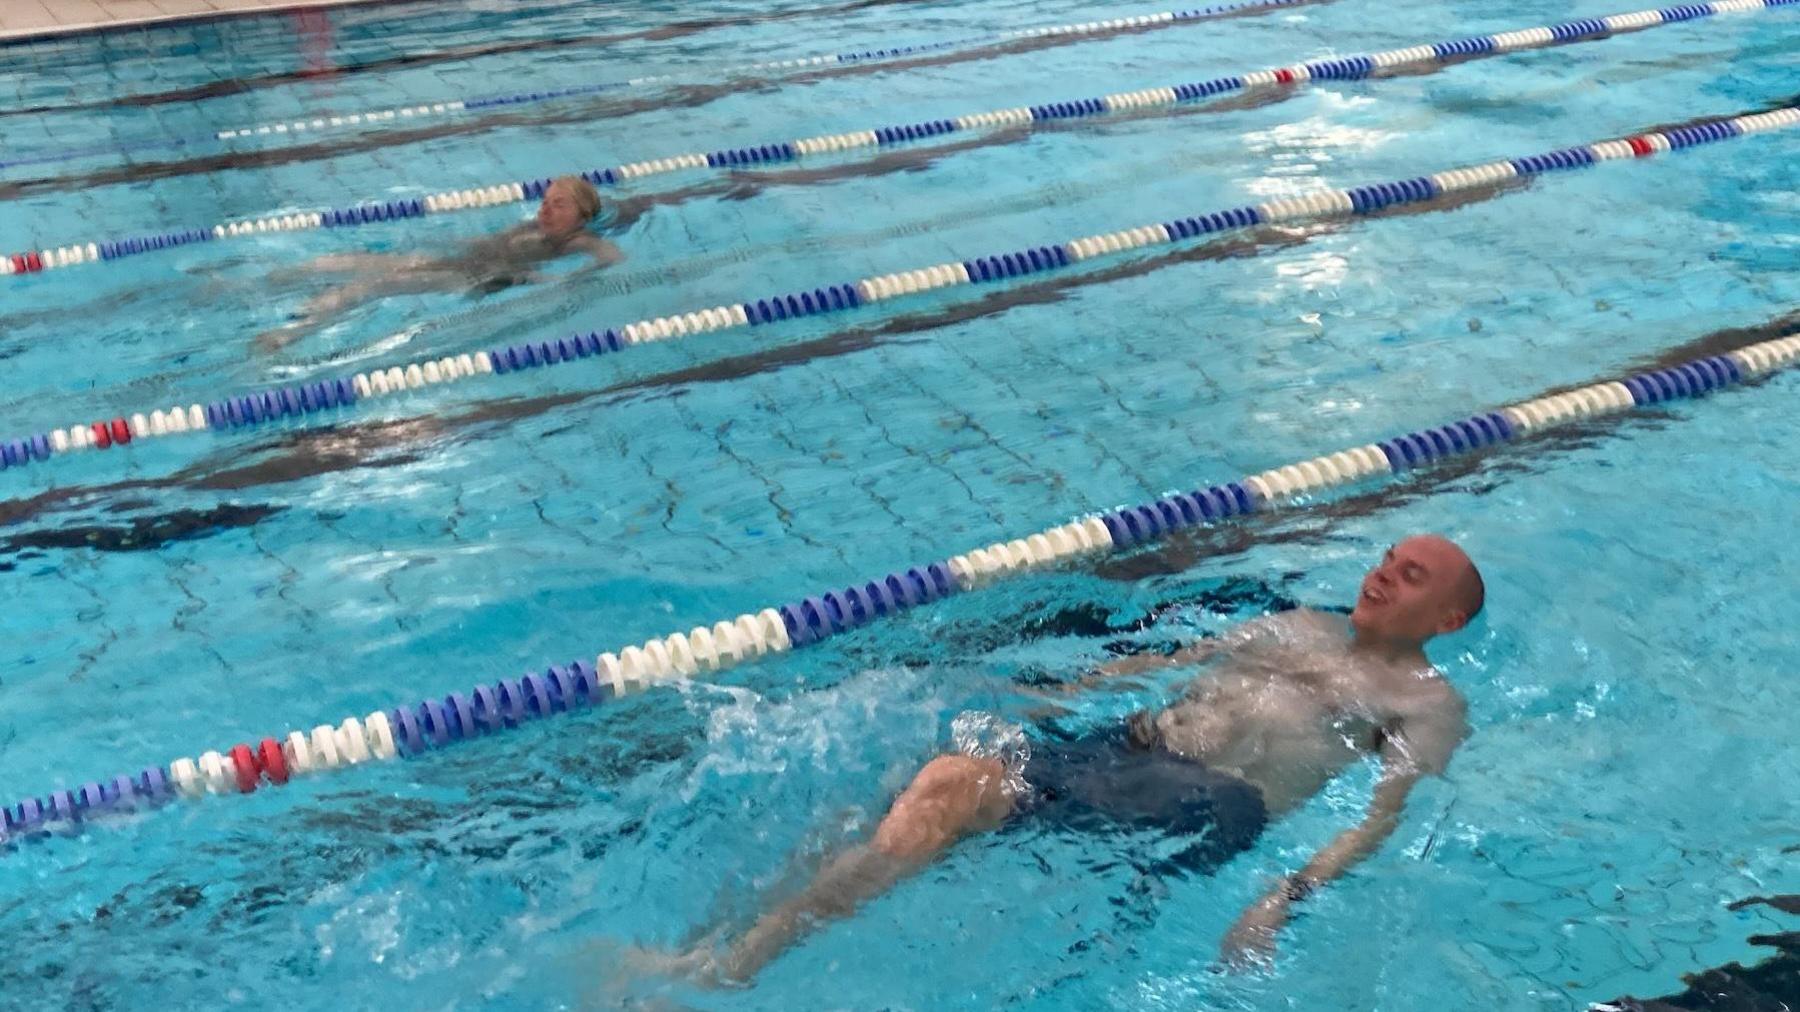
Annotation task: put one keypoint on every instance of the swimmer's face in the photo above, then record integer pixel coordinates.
(559, 215)
(1415, 592)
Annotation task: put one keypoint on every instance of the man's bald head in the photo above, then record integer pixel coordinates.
(1466, 592)
(1426, 585)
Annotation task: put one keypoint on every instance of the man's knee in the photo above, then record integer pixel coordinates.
(951, 796)
(960, 780)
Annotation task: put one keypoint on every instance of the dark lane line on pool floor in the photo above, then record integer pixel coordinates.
(313, 453)
(308, 453)
(355, 451)
(144, 533)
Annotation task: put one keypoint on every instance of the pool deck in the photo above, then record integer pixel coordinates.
(22, 19)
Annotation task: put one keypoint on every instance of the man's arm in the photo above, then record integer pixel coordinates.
(1420, 747)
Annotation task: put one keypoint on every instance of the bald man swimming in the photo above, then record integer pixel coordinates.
(1286, 703)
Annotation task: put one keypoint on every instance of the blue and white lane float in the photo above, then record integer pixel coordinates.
(1346, 68)
(319, 396)
(703, 651)
(412, 113)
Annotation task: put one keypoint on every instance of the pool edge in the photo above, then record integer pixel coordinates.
(16, 36)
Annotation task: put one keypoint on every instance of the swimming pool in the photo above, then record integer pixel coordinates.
(1627, 774)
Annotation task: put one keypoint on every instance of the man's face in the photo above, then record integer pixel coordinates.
(559, 215)
(1412, 593)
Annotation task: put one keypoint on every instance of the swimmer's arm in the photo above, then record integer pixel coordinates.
(1417, 748)
(842, 886)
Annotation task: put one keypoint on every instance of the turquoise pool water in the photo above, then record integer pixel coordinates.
(1629, 772)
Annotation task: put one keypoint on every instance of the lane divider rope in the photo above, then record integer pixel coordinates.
(416, 728)
(1347, 68)
(308, 398)
(411, 113)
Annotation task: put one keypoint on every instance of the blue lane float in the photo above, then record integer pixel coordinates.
(300, 401)
(777, 152)
(416, 728)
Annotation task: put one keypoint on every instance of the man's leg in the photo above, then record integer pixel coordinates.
(953, 796)
(326, 307)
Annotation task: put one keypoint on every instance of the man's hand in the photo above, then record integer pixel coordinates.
(1251, 941)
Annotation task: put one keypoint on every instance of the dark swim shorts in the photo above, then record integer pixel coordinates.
(493, 283)
(1116, 779)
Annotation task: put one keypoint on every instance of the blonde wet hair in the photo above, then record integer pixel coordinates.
(582, 192)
